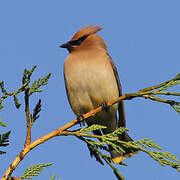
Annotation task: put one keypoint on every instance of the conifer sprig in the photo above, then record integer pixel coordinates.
(34, 170)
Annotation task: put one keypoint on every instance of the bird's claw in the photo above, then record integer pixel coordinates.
(81, 120)
(105, 106)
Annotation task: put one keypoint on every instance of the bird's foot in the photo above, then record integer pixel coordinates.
(105, 106)
(81, 120)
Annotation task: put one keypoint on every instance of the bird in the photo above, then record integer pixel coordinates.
(91, 80)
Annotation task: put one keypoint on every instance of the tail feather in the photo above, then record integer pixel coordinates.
(117, 157)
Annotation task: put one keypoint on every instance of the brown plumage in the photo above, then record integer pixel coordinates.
(91, 79)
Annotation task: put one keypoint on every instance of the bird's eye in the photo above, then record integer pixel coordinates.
(75, 43)
(78, 41)
(81, 39)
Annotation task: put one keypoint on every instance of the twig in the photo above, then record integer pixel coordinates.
(153, 98)
(116, 172)
(28, 122)
(21, 89)
(159, 85)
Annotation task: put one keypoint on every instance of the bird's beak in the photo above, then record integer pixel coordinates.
(65, 45)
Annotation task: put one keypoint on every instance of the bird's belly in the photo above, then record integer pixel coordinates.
(88, 87)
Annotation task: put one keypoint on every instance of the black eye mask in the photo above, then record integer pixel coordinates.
(78, 41)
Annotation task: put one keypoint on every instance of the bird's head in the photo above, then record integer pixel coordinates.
(85, 38)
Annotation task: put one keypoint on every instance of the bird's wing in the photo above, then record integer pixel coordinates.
(121, 111)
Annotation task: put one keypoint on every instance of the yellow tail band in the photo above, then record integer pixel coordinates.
(117, 160)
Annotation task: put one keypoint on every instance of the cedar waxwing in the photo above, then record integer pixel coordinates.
(91, 80)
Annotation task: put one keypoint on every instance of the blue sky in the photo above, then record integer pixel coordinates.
(143, 39)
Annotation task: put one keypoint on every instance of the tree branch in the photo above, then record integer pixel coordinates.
(146, 93)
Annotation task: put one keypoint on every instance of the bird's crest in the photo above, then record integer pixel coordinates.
(86, 31)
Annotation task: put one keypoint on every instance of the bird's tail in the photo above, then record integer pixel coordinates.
(118, 156)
